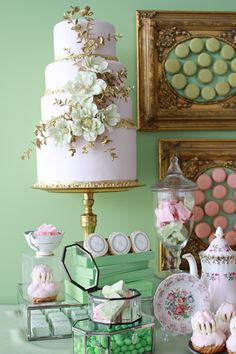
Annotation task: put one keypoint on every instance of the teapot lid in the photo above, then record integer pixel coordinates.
(219, 247)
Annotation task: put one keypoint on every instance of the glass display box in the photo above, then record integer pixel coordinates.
(91, 337)
(49, 320)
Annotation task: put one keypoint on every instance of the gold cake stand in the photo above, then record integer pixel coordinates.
(88, 219)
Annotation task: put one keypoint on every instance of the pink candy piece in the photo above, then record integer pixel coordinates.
(220, 221)
(202, 230)
(46, 229)
(211, 208)
(163, 215)
(219, 174)
(231, 180)
(204, 182)
(198, 213)
(199, 197)
(229, 206)
(184, 213)
(231, 238)
(219, 192)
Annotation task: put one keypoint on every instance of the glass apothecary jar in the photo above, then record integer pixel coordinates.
(91, 337)
(174, 201)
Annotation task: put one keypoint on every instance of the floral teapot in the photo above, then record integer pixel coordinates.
(218, 263)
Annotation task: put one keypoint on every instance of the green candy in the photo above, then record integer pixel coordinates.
(149, 340)
(127, 341)
(148, 348)
(134, 351)
(138, 345)
(90, 351)
(131, 347)
(104, 341)
(141, 350)
(98, 350)
(124, 348)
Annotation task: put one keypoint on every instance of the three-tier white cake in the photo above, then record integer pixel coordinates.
(55, 164)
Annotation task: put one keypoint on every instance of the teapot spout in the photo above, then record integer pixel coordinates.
(192, 264)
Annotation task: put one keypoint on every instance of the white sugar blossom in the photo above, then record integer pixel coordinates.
(87, 111)
(61, 132)
(90, 128)
(95, 64)
(109, 116)
(85, 85)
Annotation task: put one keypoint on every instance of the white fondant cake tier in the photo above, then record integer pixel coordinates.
(55, 165)
(59, 73)
(65, 37)
(49, 109)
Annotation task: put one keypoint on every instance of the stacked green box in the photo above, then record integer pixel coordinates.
(133, 268)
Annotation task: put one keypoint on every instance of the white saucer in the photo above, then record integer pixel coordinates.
(177, 298)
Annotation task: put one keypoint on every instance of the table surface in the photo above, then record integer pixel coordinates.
(12, 339)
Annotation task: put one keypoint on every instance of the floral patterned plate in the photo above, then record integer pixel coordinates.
(177, 298)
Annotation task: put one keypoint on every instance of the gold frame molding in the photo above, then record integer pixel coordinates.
(195, 157)
(159, 107)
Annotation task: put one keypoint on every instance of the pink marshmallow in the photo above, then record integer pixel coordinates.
(46, 229)
(184, 213)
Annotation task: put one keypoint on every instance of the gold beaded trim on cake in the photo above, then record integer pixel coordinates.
(88, 185)
(123, 123)
(78, 56)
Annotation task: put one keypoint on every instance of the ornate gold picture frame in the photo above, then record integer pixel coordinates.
(160, 105)
(195, 156)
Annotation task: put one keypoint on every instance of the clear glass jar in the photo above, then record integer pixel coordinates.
(173, 212)
(90, 337)
(120, 310)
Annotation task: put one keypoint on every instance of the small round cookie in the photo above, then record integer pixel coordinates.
(211, 208)
(202, 230)
(231, 237)
(227, 52)
(204, 182)
(231, 180)
(199, 197)
(229, 206)
(208, 93)
(218, 174)
(233, 65)
(204, 60)
(219, 192)
(213, 45)
(220, 221)
(222, 88)
(220, 67)
(205, 76)
(182, 50)
(192, 91)
(232, 79)
(198, 213)
(189, 68)
(172, 66)
(196, 45)
(179, 81)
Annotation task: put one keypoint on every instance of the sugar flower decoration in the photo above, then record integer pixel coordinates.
(109, 116)
(61, 132)
(85, 85)
(95, 64)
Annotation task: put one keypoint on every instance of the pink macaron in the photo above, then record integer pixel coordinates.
(202, 230)
(231, 237)
(211, 208)
(218, 174)
(220, 221)
(234, 225)
(229, 206)
(219, 192)
(198, 213)
(199, 197)
(231, 180)
(204, 182)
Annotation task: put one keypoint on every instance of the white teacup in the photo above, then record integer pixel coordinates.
(44, 245)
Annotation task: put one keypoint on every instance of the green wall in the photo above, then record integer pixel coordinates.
(26, 48)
